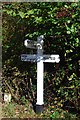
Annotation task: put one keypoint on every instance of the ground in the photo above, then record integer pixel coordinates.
(15, 110)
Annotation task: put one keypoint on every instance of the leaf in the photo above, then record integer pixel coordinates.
(14, 14)
(22, 14)
(68, 32)
(54, 21)
(68, 21)
(38, 19)
(30, 12)
(77, 40)
(65, 6)
(74, 4)
(9, 12)
(72, 29)
(54, 115)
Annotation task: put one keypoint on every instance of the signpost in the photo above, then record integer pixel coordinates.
(40, 59)
(34, 58)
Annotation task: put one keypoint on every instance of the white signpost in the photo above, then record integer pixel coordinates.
(40, 59)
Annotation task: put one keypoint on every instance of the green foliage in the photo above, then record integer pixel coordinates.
(54, 115)
(59, 23)
(9, 110)
(23, 99)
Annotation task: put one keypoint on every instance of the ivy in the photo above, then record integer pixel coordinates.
(59, 23)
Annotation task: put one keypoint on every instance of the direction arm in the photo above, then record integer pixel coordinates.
(30, 44)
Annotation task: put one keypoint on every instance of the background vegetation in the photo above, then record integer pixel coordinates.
(59, 22)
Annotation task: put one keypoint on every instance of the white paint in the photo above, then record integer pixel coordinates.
(51, 61)
(45, 58)
(39, 58)
(40, 82)
(40, 71)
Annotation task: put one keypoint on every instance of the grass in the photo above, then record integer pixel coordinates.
(14, 110)
(25, 110)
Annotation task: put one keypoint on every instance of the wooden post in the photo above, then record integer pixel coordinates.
(40, 71)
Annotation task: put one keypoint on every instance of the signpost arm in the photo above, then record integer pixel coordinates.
(40, 71)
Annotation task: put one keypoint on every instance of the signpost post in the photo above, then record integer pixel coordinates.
(40, 59)
(39, 104)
